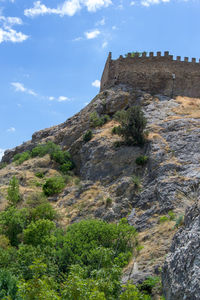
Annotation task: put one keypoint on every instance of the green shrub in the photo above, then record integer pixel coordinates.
(53, 185)
(171, 215)
(133, 54)
(8, 285)
(163, 219)
(105, 119)
(137, 181)
(87, 136)
(132, 125)
(43, 149)
(12, 222)
(43, 211)
(13, 191)
(40, 286)
(82, 241)
(66, 167)
(116, 130)
(108, 202)
(96, 121)
(16, 156)
(179, 221)
(60, 156)
(21, 157)
(148, 284)
(63, 158)
(39, 233)
(141, 160)
(131, 292)
(39, 175)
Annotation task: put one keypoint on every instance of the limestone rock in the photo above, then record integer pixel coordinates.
(181, 271)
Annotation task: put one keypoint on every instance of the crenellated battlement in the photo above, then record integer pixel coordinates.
(158, 55)
(155, 73)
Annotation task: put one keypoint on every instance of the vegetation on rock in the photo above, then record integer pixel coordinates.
(96, 121)
(132, 125)
(87, 136)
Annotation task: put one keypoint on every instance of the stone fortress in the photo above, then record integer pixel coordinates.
(154, 74)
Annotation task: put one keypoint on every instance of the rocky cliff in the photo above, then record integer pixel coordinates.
(181, 271)
(168, 182)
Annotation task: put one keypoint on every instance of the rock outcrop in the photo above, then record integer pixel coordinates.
(167, 182)
(181, 271)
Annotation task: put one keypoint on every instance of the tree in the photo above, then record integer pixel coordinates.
(12, 222)
(39, 233)
(132, 125)
(40, 287)
(13, 191)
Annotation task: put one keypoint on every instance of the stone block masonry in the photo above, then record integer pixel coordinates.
(155, 74)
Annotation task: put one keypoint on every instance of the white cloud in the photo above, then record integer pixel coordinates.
(147, 3)
(1, 153)
(62, 98)
(7, 33)
(11, 129)
(12, 35)
(51, 98)
(114, 27)
(19, 87)
(92, 34)
(69, 7)
(132, 3)
(59, 99)
(10, 21)
(96, 83)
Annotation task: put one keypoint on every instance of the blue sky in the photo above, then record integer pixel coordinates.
(52, 53)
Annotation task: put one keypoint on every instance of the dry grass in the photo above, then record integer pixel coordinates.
(156, 242)
(189, 107)
(106, 130)
(85, 203)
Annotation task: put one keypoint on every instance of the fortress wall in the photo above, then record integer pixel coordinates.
(154, 74)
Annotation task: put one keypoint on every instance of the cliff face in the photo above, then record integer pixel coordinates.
(181, 272)
(169, 181)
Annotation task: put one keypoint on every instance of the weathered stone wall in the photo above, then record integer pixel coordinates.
(154, 74)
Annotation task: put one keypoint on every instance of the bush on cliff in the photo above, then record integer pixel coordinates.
(19, 158)
(53, 185)
(132, 125)
(13, 191)
(96, 121)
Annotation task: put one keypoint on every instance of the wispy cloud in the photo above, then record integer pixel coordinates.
(7, 33)
(11, 129)
(19, 87)
(59, 99)
(147, 3)
(92, 34)
(96, 83)
(105, 44)
(69, 7)
(79, 38)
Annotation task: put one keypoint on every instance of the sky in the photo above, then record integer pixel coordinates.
(52, 53)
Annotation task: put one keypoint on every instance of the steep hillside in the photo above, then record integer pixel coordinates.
(109, 184)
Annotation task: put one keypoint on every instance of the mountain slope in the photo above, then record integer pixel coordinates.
(144, 194)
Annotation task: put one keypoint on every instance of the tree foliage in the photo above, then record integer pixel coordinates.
(13, 191)
(132, 125)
